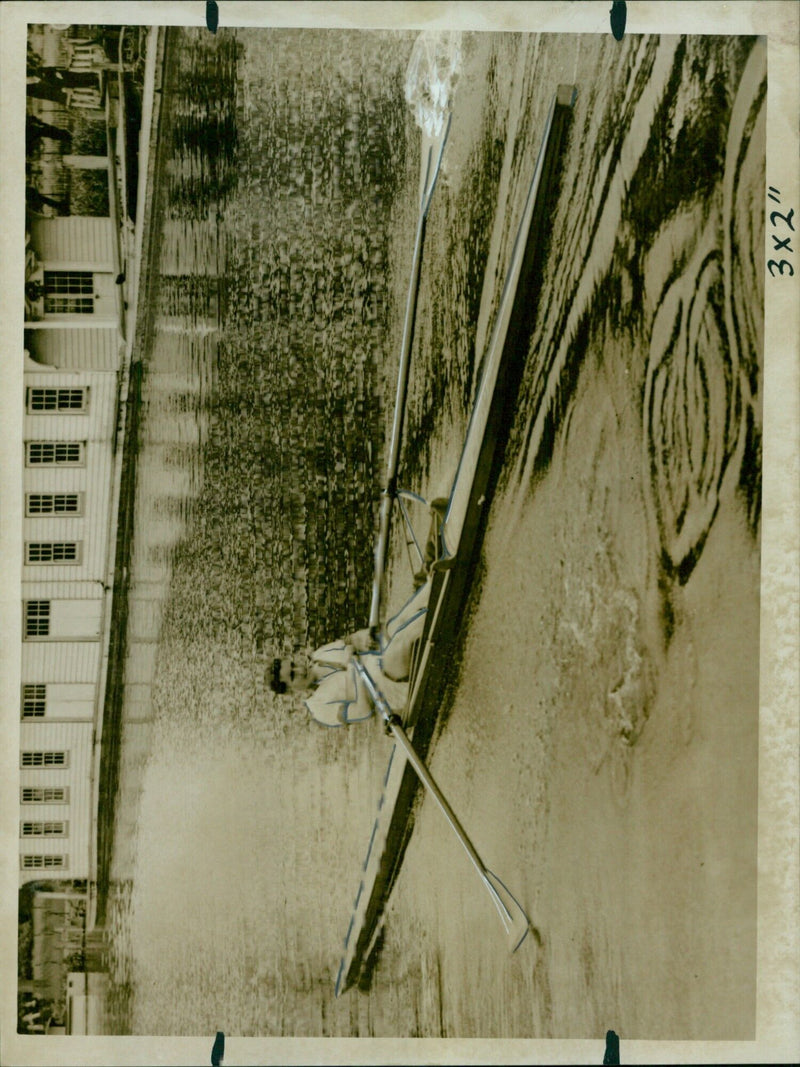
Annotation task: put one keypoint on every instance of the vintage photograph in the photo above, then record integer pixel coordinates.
(391, 532)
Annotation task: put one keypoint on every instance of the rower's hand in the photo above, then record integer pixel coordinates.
(374, 639)
(389, 721)
(361, 641)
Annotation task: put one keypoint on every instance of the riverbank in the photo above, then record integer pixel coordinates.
(109, 730)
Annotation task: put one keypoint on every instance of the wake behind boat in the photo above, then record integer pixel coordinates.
(461, 536)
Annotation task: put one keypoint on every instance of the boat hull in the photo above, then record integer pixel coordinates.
(452, 577)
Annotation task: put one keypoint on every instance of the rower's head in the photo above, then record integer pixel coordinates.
(287, 676)
(277, 683)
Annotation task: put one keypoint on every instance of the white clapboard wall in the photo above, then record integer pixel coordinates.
(73, 814)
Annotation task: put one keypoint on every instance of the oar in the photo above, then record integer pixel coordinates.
(431, 163)
(515, 922)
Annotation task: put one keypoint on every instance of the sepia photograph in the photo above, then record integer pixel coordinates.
(384, 626)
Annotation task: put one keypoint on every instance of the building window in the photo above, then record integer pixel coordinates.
(53, 504)
(52, 552)
(34, 699)
(40, 400)
(55, 453)
(68, 292)
(37, 795)
(44, 759)
(43, 829)
(37, 618)
(43, 862)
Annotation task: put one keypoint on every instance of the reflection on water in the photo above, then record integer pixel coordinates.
(287, 182)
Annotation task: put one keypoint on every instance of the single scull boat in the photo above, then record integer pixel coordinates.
(461, 535)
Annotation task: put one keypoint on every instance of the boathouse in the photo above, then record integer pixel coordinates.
(69, 437)
(74, 366)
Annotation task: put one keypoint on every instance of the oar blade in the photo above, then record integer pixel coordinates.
(516, 923)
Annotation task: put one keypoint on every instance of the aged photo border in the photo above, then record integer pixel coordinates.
(778, 987)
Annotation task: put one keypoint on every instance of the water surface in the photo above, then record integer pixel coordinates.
(602, 744)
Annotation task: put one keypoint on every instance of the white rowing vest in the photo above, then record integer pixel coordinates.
(340, 697)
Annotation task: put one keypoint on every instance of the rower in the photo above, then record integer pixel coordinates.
(338, 696)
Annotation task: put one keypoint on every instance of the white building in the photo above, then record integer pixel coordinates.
(73, 363)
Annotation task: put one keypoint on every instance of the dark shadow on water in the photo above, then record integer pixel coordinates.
(114, 694)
